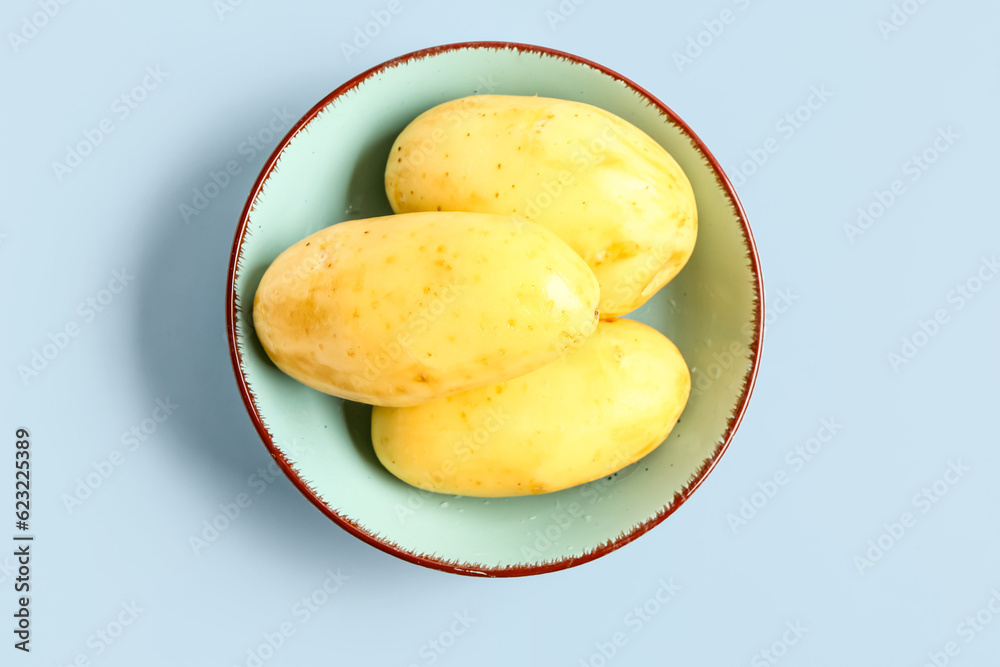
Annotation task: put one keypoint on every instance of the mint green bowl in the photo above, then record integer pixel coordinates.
(330, 168)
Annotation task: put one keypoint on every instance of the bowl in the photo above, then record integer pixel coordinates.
(329, 168)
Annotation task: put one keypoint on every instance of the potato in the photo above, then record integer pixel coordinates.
(605, 187)
(400, 310)
(592, 412)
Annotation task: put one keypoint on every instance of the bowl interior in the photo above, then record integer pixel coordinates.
(330, 169)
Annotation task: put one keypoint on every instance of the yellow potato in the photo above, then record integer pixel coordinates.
(592, 412)
(403, 309)
(604, 186)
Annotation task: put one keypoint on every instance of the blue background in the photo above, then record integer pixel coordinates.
(841, 301)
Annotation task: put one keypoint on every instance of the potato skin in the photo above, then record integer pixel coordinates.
(403, 309)
(595, 410)
(604, 186)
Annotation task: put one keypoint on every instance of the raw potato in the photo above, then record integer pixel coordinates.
(594, 411)
(605, 187)
(403, 309)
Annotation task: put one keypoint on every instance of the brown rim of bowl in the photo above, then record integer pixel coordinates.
(430, 561)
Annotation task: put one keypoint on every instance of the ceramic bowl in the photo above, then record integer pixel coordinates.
(330, 168)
